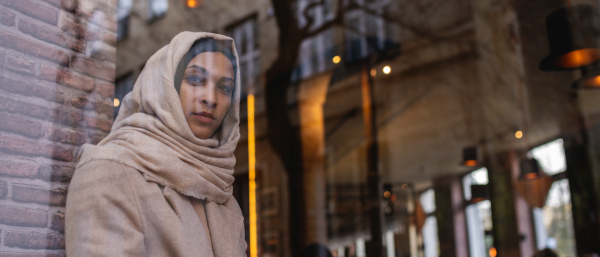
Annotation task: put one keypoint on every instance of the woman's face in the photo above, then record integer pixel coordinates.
(206, 91)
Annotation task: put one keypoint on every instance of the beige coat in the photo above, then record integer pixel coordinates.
(114, 211)
(152, 188)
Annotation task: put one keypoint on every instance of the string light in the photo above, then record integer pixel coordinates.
(336, 59)
(116, 102)
(373, 72)
(387, 69)
(192, 3)
(519, 134)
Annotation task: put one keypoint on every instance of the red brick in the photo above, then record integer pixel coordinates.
(103, 125)
(8, 254)
(56, 173)
(38, 49)
(106, 89)
(96, 137)
(20, 64)
(103, 107)
(110, 38)
(31, 194)
(3, 189)
(108, 22)
(58, 222)
(32, 148)
(17, 216)
(18, 168)
(34, 240)
(94, 68)
(66, 77)
(73, 27)
(7, 17)
(61, 153)
(101, 51)
(69, 5)
(33, 9)
(79, 101)
(67, 136)
(9, 84)
(51, 35)
(54, 2)
(16, 124)
(67, 117)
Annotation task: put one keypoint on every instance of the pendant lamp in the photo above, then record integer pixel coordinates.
(471, 156)
(574, 38)
(530, 169)
(479, 193)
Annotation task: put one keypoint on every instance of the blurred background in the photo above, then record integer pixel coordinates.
(369, 127)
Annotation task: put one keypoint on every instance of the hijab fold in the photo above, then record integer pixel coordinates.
(151, 133)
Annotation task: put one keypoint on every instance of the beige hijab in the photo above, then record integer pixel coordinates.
(151, 134)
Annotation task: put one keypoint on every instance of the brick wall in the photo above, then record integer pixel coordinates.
(57, 69)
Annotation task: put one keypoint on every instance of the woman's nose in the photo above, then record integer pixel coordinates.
(208, 96)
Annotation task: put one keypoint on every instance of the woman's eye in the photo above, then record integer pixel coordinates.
(225, 88)
(195, 80)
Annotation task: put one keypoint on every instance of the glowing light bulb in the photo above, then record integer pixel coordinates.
(519, 134)
(116, 102)
(387, 69)
(336, 59)
(192, 3)
(387, 194)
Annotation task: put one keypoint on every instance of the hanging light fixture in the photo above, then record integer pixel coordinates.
(479, 193)
(471, 156)
(530, 169)
(574, 37)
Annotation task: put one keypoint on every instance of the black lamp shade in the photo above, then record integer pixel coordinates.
(470, 156)
(530, 169)
(479, 193)
(574, 37)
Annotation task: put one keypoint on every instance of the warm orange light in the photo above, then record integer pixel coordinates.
(373, 72)
(477, 199)
(252, 177)
(531, 176)
(471, 163)
(393, 198)
(519, 134)
(336, 59)
(387, 69)
(493, 252)
(192, 3)
(592, 82)
(387, 194)
(116, 102)
(577, 58)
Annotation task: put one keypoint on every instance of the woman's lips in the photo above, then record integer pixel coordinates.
(204, 117)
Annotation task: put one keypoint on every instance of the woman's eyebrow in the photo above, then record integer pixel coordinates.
(226, 79)
(197, 68)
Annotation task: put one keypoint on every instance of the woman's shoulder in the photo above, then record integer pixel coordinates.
(100, 174)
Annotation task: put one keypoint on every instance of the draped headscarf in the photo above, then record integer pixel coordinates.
(151, 133)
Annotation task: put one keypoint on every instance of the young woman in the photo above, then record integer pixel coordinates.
(160, 184)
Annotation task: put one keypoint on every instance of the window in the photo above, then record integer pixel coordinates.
(554, 223)
(245, 35)
(365, 32)
(479, 216)
(315, 52)
(157, 9)
(123, 12)
(430, 233)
